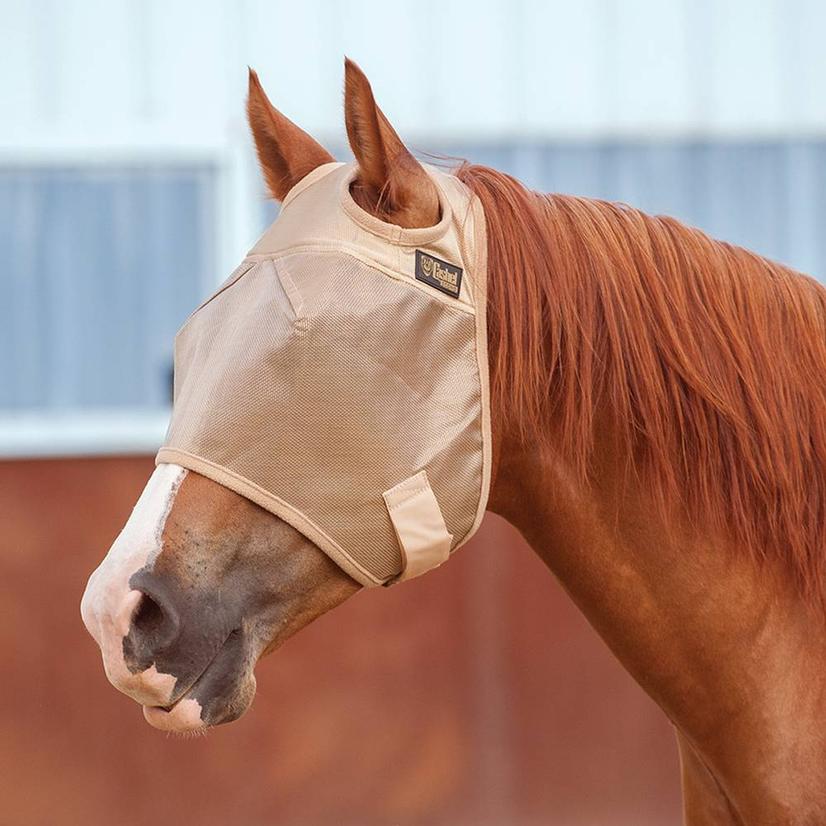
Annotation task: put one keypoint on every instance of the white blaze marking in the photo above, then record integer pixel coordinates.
(109, 603)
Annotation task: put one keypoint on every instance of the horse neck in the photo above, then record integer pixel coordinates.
(729, 652)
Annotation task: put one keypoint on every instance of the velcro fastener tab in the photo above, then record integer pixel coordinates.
(420, 527)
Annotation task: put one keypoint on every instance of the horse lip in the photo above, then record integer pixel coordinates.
(188, 703)
(165, 723)
(184, 716)
(185, 693)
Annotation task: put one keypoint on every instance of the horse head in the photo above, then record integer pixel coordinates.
(227, 553)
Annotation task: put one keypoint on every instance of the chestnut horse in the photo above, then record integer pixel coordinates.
(659, 427)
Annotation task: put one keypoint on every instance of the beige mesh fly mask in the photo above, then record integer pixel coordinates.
(338, 379)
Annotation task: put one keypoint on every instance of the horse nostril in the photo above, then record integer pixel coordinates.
(149, 617)
(155, 624)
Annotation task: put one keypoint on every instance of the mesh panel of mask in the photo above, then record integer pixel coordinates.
(324, 382)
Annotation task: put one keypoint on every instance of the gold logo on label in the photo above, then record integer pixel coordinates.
(439, 274)
(434, 269)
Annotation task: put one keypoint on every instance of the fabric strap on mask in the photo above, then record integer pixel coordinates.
(420, 527)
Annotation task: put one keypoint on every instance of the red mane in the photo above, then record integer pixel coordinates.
(711, 358)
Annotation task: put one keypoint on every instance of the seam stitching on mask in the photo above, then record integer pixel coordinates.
(454, 304)
(410, 495)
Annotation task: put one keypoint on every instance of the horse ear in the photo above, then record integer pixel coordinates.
(390, 182)
(286, 152)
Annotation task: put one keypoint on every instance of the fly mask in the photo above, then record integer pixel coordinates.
(339, 378)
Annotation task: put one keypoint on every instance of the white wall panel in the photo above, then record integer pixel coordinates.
(174, 70)
(745, 75)
(18, 78)
(93, 64)
(475, 52)
(190, 45)
(803, 64)
(563, 66)
(285, 44)
(648, 67)
(401, 56)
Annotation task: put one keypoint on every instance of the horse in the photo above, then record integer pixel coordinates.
(658, 419)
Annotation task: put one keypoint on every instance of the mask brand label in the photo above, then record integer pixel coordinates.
(446, 278)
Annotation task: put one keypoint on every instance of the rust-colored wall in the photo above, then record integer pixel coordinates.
(476, 695)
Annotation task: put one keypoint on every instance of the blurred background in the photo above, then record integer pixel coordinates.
(128, 189)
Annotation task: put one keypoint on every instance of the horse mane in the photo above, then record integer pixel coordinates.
(710, 359)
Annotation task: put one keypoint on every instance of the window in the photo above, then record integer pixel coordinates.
(100, 266)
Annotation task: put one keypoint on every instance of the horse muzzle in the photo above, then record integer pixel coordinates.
(166, 643)
(185, 681)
